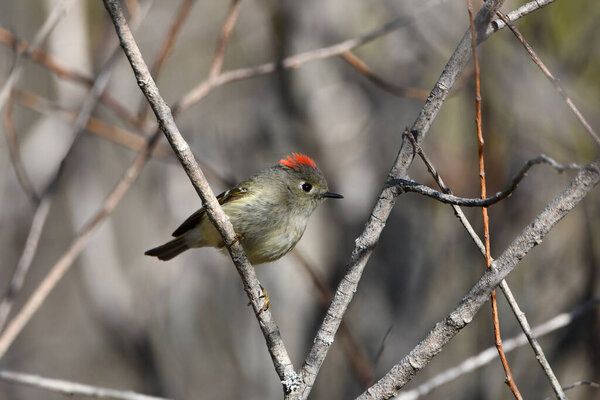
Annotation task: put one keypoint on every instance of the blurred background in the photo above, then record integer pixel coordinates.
(182, 329)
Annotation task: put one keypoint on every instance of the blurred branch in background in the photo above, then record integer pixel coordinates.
(361, 67)
(15, 157)
(68, 388)
(166, 47)
(96, 126)
(47, 196)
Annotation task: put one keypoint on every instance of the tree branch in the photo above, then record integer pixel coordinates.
(279, 355)
(537, 349)
(488, 355)
(446, 329)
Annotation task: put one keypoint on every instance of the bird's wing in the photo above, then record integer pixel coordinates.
(193, 220)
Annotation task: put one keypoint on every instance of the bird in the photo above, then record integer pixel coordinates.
(269, 212)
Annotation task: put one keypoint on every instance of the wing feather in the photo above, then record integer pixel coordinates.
(194, 220)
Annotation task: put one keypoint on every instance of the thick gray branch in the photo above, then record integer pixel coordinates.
(279, 354)
(491, 353)
(445, 330)
(365, 243)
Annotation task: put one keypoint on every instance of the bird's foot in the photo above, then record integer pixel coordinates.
(265, 296)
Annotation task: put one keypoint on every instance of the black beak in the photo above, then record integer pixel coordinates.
(333, 195)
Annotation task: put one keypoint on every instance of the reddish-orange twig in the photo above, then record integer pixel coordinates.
(486, 223)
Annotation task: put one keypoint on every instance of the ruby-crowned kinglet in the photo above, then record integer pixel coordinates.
(269, 212)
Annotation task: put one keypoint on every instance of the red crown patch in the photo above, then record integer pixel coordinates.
(297, 161)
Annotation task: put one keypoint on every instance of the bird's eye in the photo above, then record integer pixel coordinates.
(306, 187)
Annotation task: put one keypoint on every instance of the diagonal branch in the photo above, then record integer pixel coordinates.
(279, 355)
(488, 355)
(370, 235)
(447, 328)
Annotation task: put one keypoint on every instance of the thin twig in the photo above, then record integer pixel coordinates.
(412, 186)
(226, 31)
(68, 388)
(488, 355)
(533, 234)
(361, 67)
(521, 318)
(15, 156)
(33, 238)
(573, 385)
(486, 221)
(555, 82)
(369, 237)
(279, 355)
(514, 15)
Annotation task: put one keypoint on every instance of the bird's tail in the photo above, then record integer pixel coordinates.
(169, 249)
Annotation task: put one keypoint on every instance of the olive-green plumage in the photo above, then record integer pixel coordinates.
(269, 212)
